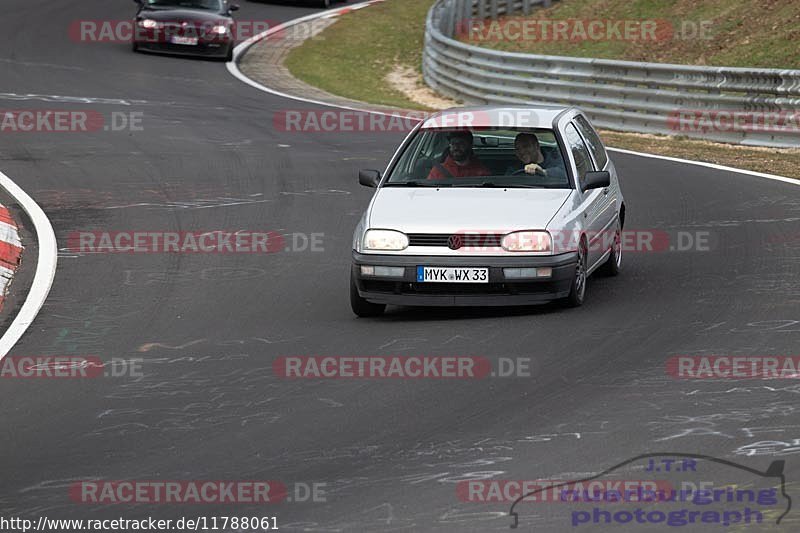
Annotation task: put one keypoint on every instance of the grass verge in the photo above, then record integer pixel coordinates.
(352, 57)
(732, 33)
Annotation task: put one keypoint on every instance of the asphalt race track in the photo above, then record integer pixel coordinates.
(208, 327)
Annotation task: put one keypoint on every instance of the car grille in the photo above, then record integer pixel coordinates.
(192, 30)
(474, 240)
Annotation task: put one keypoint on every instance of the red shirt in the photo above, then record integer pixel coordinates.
(472, 168)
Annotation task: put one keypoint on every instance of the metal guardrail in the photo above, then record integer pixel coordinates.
(619, 95)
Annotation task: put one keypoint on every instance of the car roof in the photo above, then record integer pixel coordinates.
(532, 116)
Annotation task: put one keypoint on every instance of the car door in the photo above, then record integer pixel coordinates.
(594, 201)
(612, 193)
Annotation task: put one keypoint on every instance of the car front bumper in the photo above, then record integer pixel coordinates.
(499, 291)
(216, 49)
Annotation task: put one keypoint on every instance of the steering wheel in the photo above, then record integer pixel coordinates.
(522, 171)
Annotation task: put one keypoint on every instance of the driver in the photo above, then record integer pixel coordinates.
(461, 162)
(529, 152)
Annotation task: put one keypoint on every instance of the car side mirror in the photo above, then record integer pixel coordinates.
(369, 178)
(596, 180)
(234, 7)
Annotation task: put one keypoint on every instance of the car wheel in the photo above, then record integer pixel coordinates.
(360, 306)
(613, 264)
(229, 56)
(325, 4)
(577, 291)
(135, 46)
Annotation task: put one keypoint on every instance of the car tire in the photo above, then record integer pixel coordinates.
(229, 55)
(324, 4)
(135, 46)
(613, 264)
(361, 307)
(577, 290)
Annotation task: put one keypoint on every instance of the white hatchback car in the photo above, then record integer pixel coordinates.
(489, 206)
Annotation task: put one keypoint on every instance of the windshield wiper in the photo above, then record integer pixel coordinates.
(402, 184)
(413, 183)
(489, 184)
(476, 185)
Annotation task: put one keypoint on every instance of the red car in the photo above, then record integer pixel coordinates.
(185, 27)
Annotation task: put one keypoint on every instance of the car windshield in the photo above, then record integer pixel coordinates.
(213, 5)
(481, 157)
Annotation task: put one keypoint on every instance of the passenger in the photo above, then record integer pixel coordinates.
(529, 152)
(461, 162)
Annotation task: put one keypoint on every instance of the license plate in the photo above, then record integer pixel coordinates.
(452, 274)
(177, 39)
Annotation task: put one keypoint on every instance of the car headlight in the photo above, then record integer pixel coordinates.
(527, 241)
(149, 24)
(384, 239)
(220, 29)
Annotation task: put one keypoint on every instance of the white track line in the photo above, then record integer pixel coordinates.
(45, 267)
(241, 48)
(710, 165)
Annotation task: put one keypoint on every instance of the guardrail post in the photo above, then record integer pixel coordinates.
(451, 19)
(526, 7)
(438, 18)
(466, 16)
(481, 9)
(493, 9)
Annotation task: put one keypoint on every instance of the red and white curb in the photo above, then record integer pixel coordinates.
(45, 264)
(10, 251)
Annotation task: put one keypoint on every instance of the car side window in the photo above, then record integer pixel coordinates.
(579, 152)
(593, 140)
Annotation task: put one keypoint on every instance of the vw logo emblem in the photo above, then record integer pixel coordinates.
(454, 242)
